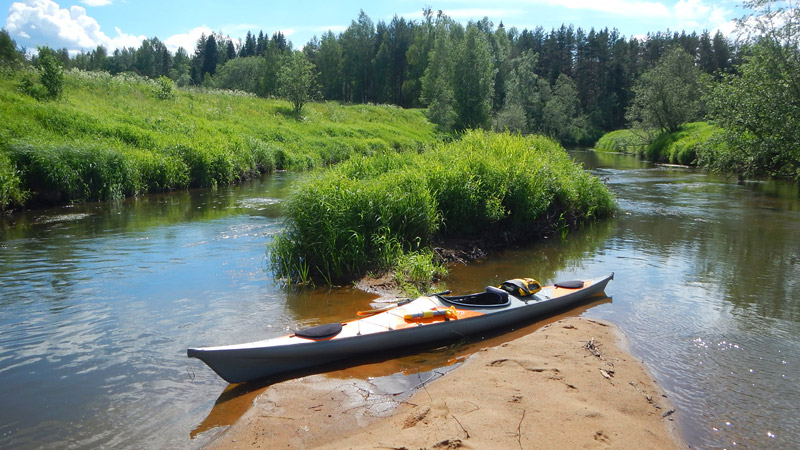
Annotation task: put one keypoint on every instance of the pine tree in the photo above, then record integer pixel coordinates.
(249, 47)
(210, 57)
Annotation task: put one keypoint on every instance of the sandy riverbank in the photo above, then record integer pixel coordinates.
(571, 384)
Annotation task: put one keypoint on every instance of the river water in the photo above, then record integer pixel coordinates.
(99, 302)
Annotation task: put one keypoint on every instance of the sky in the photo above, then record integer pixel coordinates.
(82, 25)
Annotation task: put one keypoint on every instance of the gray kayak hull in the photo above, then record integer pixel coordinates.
(256, 360)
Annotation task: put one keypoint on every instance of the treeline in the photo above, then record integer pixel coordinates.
(569, 83)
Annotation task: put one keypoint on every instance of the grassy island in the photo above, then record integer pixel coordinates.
(385, 212)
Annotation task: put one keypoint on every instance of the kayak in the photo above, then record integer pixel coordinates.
(428, 320)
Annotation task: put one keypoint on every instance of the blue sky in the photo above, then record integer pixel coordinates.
(84, 24)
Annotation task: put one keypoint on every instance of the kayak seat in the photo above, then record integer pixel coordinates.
(320, 332)
(491, 298)
(572, 284)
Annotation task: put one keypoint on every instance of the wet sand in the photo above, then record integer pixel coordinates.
(571, 384)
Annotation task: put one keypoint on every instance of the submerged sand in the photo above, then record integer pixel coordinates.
(570, 384)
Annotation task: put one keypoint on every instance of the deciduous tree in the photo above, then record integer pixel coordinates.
(669, 94)
(297, 80)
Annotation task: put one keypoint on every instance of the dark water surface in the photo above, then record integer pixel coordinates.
(99, 302)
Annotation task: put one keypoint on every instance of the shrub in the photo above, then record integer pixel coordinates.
(52, 77)
(164, 88)
(11, 192)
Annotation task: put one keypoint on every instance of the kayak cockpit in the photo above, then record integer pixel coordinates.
(320, 332)
(491, 298)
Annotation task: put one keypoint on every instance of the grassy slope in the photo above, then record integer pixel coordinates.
(679, 147)
(110, 137)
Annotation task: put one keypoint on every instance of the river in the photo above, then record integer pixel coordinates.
(98, 303)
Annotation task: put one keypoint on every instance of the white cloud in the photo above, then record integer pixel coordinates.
(478, 13)
(186, 40)
(695, 14)
(44, 22)
(619, 7)
(468, 13)
(96, 2)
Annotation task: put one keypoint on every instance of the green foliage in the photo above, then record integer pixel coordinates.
(416, 270)
(242, 74)
(11, 191)
(358, 51)
(164, 88)
(45, 81)
(694, 143)
(561, 116)
(297, 81)
(473, 80)
(524, 98)
(360, 215)
(669, 94)
(329, 66)
(29, 85)
(683, 145)
(51, 74)
(760, 106)
(437, 91)
(10, 57)
(110, 136)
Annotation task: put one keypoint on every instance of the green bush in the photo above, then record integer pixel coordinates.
(11, 192)
(356, 217)
(164, 88)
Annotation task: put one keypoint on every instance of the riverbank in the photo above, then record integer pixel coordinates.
(110, 137)
(696, 143)
(571, 384)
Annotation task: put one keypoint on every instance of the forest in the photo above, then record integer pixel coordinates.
(585, 76)
(567, 83)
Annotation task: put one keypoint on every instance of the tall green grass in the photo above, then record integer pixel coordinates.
(364, 214)
(682, 146)
(114, 136)
(679, 147)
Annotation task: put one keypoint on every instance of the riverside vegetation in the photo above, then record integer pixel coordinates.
(385, 212)
(109, 137)
(691, 143)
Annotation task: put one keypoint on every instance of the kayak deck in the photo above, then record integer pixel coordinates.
(422, 320)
